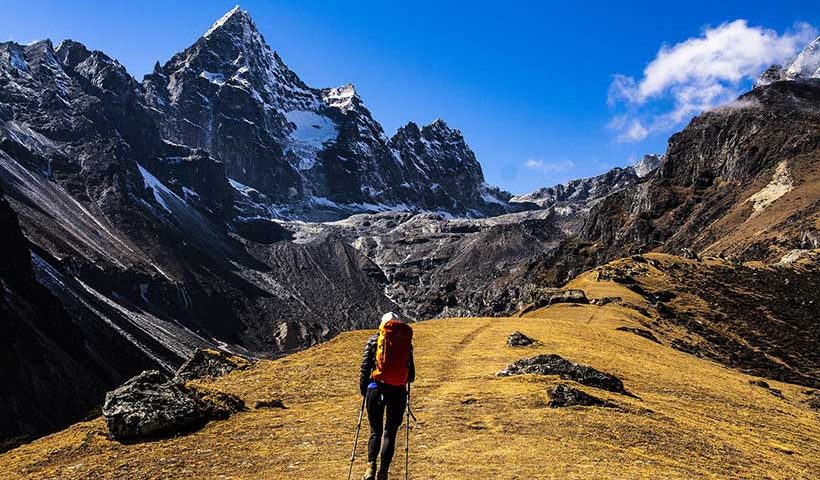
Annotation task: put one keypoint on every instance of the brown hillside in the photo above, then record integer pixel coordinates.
(694, 418)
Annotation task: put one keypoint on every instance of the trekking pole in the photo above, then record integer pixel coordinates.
(407, 436)
(356, 439)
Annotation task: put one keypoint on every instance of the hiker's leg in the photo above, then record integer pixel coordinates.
(397, 402)
(375, 416)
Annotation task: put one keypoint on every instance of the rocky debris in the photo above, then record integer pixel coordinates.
(151, 405)
(689, 253)
(764, 384)
(556, 365)
(518, 339)
(211, 363)
(810, 239)
(563, 395)
(641, 332)
(561, 296)
(568, 296)
(272, 403)
(605, 301)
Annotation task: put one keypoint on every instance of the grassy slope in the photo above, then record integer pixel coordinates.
(696, 419)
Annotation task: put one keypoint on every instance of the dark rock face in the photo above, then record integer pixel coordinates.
(702, 193)
(518, 339)
(556, 365)
(53, 372)
(209, 363)
(152, 406)
(563, 395)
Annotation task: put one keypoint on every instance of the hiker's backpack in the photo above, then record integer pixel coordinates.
(393, 353)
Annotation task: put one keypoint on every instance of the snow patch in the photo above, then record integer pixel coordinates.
(215, 78)
(312, 132)
(160, 190)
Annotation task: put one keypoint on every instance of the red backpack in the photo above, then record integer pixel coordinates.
(393, 353)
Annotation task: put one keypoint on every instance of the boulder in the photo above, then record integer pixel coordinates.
(151, 405)
(556, 365)
(272, 403)
(518, 339)
(605, 301)
(689, 253)
(563, 395)
(569, 296)
(210, 363)
(765, 385)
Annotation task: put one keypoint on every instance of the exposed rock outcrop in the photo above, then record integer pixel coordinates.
(518, 339)
(151, 405)
(563, 395)
(556, 365)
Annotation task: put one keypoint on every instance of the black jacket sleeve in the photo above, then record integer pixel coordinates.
(411, 376)
(368, 363)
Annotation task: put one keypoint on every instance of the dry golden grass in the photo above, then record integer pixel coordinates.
(695, 419)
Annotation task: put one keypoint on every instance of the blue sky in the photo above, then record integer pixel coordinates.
(542, 91)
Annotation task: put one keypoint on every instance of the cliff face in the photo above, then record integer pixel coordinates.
(738, 180)
(53, 373)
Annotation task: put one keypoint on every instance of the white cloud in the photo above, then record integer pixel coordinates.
(549, 167)
(698, 74)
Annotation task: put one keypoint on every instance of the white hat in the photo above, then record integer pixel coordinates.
(389, 316)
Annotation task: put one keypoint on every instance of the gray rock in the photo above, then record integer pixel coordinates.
(151, 405)
(556, 365)
(689, 253)
(518, 339)
(563, 395)
(568, 296)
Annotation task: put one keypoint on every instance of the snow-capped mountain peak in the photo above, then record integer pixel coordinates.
(805, 65)
(236, 16)
(314, 153)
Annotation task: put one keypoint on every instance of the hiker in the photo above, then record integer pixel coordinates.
(387, 370)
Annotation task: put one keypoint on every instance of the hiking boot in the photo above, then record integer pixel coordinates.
(370, 474)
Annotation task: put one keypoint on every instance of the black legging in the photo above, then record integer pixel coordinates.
(383, 433)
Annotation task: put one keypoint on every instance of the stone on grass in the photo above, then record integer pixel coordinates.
(563, 395)
(556, 365)
(518, 339)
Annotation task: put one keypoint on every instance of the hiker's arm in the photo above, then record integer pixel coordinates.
(368, 362)
(411, 376)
